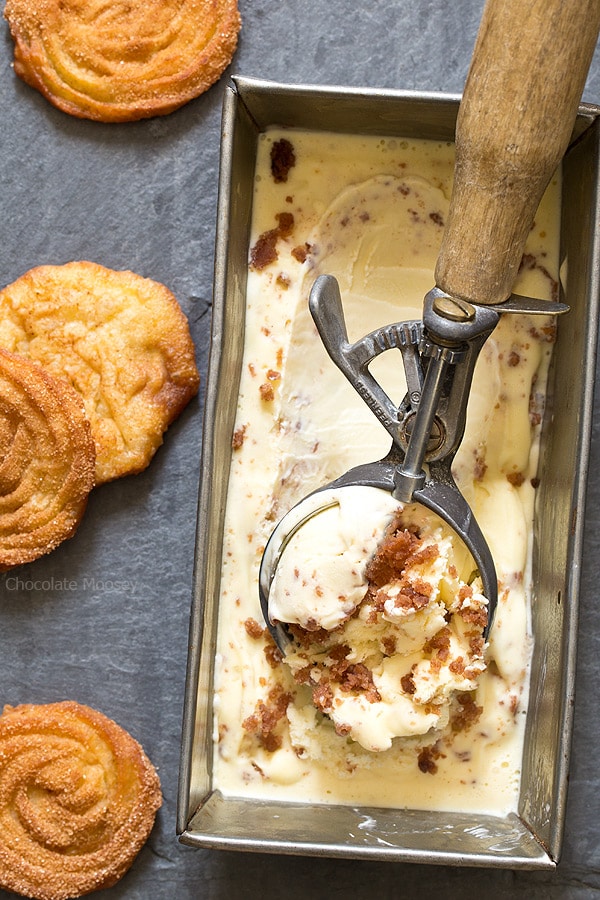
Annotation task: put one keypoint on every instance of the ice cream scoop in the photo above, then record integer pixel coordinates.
(439, 356)
(514, 124)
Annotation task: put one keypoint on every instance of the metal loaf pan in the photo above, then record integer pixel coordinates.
(531, 839)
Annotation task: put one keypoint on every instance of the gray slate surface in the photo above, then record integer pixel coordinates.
(143, 196)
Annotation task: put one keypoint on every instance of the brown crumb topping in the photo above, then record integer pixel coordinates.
(283, 158)
(238, 437)
(266, 717)
(286, 223)
(410, 596)
(390, 557)
(358, 678)
(388, 642)
(305, 636)
(323, 697)
(476, 645)
(427, 759)
(474, 615)
(348, 676)
(439, 644)
(466, 712)
(267, 394)
(465, 592)
(351, 677)
(301, 252)
(253, 629)
(408, 683)
(343, 729)
(457, 666)
(264, 252)
(273, 654)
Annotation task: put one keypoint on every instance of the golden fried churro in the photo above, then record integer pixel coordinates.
(78, 799)
(122, 341)
(47, 459)
(118, 62)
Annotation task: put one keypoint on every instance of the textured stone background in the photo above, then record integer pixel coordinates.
(143, 196)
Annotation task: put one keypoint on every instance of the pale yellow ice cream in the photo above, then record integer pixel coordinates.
(370, 211)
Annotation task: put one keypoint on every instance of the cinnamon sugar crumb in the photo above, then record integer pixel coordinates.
(252, 628)
(283, 158)
(323, 697)
(238, 437)
(408, 683)
(266, 392)
(300, 253)
(427, 760)
(264, 252)
(273, 654)
(466, 714)
(263, 722)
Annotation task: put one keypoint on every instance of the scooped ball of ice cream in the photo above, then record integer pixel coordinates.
(320, 577)
(386, 613)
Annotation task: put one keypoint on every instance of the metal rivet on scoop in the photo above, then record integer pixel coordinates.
(453, 308)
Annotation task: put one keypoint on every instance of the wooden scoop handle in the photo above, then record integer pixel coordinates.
(520, 101)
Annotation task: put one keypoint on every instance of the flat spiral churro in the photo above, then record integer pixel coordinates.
(121, 340)
(78, 799)
(119, 62)
(47, 461)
